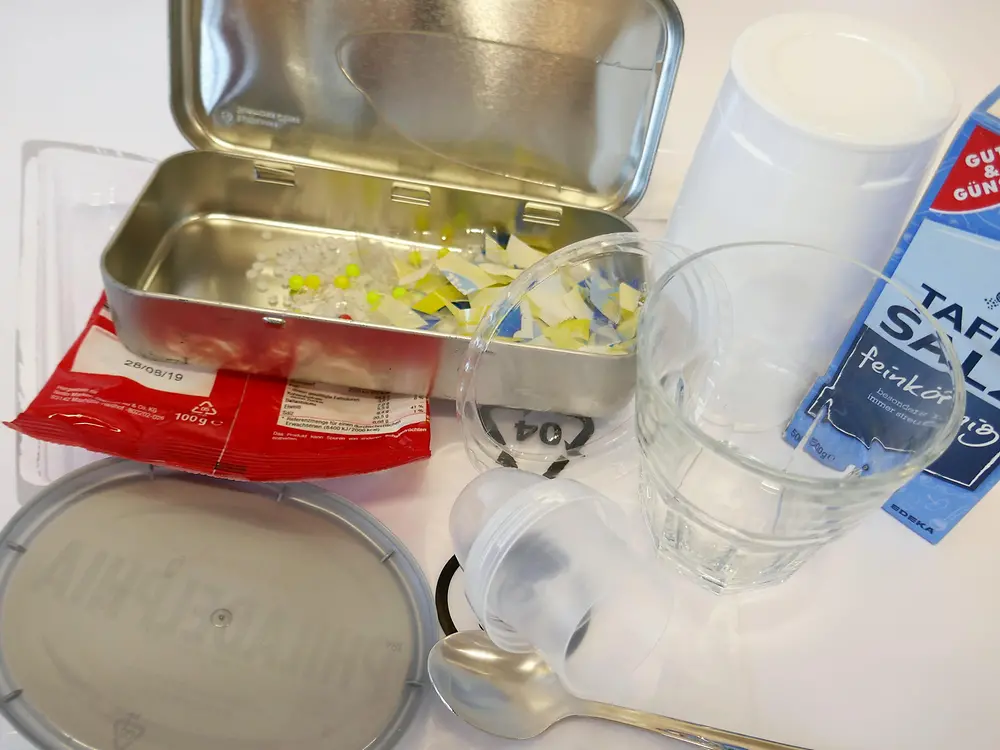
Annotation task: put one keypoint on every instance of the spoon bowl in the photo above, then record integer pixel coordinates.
(517, 696)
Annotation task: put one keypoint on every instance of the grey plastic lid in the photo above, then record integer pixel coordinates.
(144, 608)
(554, 100)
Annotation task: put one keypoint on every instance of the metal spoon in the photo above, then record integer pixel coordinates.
(518, 697)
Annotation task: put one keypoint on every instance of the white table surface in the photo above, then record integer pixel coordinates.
(882, 642)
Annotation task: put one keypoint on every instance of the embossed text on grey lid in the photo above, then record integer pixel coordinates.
(172, 603)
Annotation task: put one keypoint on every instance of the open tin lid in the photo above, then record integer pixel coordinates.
(144, 608)
(553, 100)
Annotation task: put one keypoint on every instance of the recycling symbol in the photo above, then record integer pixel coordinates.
(205, 409)
(127, 731)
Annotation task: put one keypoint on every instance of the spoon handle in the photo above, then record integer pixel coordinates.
(693, 734)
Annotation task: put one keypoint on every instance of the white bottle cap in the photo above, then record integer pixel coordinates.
(847, 79)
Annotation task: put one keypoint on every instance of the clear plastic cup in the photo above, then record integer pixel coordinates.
(547, 568)
(597, 445)
(735, 384)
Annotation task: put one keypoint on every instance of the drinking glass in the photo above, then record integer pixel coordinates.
(783, 392)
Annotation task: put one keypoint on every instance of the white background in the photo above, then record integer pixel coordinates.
(882, 642)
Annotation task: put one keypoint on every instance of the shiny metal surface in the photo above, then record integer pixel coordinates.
(555, 100)
(175, 274)
(518, 697)
(330, 117)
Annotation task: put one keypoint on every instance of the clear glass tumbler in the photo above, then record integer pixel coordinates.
(783, 392)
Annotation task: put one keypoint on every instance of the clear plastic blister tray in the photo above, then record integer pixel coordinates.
(73, 199)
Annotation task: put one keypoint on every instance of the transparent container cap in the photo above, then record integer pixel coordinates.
(604, 278)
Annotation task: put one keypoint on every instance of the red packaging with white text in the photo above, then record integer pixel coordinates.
(105, 399)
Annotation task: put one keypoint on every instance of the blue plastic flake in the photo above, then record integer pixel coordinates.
(599, 292)
(430, 320)
(511, 324)
(461, 283)
(598, 320)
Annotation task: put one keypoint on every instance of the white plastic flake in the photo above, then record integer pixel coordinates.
(417, 286)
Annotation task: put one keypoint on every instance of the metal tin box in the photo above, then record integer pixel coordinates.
(333, 118)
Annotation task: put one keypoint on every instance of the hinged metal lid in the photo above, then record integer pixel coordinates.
(554, 100)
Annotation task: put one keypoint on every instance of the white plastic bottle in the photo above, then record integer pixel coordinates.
(822, 134)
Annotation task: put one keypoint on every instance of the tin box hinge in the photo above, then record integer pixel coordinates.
(274, 173)
(414, 195)
(539, 213)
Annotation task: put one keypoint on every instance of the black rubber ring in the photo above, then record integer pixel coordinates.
(443, 588)
(441, 596)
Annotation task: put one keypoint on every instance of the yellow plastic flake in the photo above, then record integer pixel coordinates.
(548, 296)
(575, 304)
(342, 282)
(406, 275)
(352, 271)
(573, 275)
(416, 258)
(628, 298)
(570, 334)
(486, 298)
(436, 300)
(463, 275)
(314, 282)
(612, 311)
(398, 293)
(500, 272)
(432, 282)
(374, 298)
(296, 282)
(578, 328)
(627, 329)
(467, 320)
(520, 255)
(444, 252)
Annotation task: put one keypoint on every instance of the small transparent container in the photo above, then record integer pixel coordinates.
(596, 447)
(548, 567)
